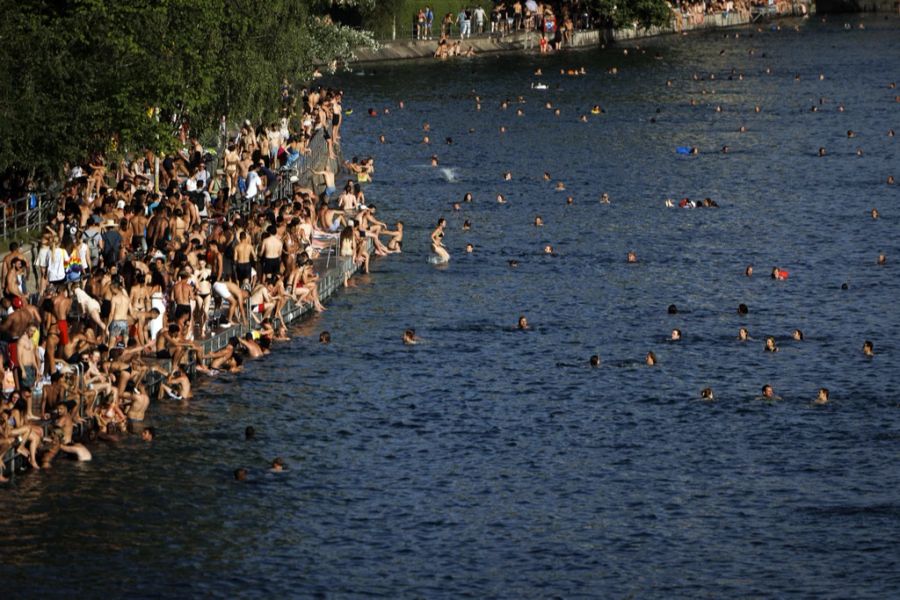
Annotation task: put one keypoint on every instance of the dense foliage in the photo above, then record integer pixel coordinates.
(87, 75)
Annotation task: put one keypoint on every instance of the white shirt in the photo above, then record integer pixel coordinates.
(253, 183)
(56, 264)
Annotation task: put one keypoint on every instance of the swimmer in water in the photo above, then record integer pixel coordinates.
(875, 213)
(249, 432)
(503, 129)
(548, 249)
(797, 335)
(868, 348)
(882, 260)
(148, 434)
(426, 140)
(426, 126)
(520, 112)
(546, 176)
(467, 197)
(604, 198)
(779, 274)
(470, 248)
(676, 335)
(770, 345)
(538, 221)
(707, 394)
(595, 361)
(672, 309)
(507, 176)
(277, 465)
(456, 207)
(381, 139)
(523, 323)
(512, 263)
(743, 334)
(560, 186)
(890, 180)
(631, 257)
(409, 337)
(501, 199)
(822, 151)
(748, 272)
(240, 474)
(822, 396)
(466, 225)
(583, 118)
(569, 199)
(437, 241)
(325, 338)
(742, 309)
(650, 359)
(434, 160)
(768, 393)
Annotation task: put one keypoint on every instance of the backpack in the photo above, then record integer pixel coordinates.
(93, 242)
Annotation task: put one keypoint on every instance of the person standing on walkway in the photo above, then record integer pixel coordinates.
(464, 22)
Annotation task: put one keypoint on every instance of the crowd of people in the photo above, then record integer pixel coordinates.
(555, 26)
(141, 264)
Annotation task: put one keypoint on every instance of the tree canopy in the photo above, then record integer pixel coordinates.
(104, 75)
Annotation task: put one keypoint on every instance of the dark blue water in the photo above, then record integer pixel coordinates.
(489, 462)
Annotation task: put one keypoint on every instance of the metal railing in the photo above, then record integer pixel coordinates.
(26, 215)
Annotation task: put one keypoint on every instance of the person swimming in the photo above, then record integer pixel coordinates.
(707, 394)
(325, 338)
(797, 335)
(501, 199)
(743, 334)
(748, 272)
(548, 249)
(604, 198)
(470, 248)
(672, 309)
(631, 257)
(409, 337)
(650, 359)
(768, 393)
(277, 465)
(743, 309)
(538, 221)
(770, 344)
(675, 335)
(868, 348)
(595, 361)
(822, 396)
(523, 323)
(875, 214)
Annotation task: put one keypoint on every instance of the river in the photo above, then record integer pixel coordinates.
(494, 463)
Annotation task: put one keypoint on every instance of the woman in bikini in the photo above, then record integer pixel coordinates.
(437, 241)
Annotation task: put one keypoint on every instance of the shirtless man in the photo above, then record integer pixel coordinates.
(183, 296)
(138, 227)
(271, 248)
(15, 253)
(244, 255)
(12, 284)
(62, 436)
(328, 177)
(120, 310)
(262, 302)
(156, 227)
(29, 359)
(15, 326)
(139, 401)
(254, 349)
(395, 241)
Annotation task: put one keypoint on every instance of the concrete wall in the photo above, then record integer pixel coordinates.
(409, 49)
